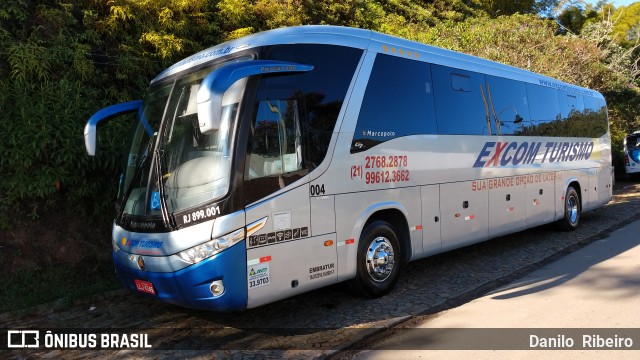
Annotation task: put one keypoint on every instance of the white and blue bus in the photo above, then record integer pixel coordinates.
(300, 157)
(632, 154)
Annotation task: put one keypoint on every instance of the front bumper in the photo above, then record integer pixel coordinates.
(190, 287)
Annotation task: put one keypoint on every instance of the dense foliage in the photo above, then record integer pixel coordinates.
(62, 60)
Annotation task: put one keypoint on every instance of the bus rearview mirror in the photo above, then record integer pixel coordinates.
(215, 84)
(105, 114)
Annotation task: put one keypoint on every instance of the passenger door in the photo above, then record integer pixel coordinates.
(276, 188)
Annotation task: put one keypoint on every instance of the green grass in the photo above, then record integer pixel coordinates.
(28, 288)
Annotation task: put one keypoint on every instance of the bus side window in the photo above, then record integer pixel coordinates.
(594, 117)
(545, 112)
(460, 101)
(320, 92)
(277, 147)
(508, 102)
(276, 151)
(294, 116)
(570, 104)
(398, 102)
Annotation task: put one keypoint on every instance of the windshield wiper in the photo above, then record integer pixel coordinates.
(168, 221)
(136, 177)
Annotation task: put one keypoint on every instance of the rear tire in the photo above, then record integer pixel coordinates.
(378, 263)
(572, 210)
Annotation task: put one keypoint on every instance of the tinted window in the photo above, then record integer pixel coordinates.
(570, 104)
(561, 113)
(277, 139)
(461, 103)
(594, 117)
(544, 110)
(509, 109)
(460, 82)
(294, 115)
(398, 102)
(571, 114)
(320, 91)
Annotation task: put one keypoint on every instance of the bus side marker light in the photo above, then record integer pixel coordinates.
(471, 217)
(417, 227)
(328, 243)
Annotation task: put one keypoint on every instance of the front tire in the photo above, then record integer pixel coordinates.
(572, 210)
(378, 260)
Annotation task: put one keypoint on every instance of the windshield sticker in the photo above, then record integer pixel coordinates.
(155, 201)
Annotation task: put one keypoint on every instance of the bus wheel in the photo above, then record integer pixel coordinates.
(378, 260)
(572, 210)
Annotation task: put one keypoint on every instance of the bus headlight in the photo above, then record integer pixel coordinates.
(203, 251)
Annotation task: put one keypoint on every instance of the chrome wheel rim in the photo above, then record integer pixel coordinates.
(380, 259)
(572, 209)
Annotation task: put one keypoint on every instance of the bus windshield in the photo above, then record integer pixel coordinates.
(171, 165)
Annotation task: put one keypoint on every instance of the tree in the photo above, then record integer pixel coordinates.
(626, 28)
(573, 18)
(505, 7)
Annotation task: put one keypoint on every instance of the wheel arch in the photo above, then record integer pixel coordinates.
(395, 214)
(570, 215)
(575, 183)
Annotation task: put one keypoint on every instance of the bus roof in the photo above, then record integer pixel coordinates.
(372, 41)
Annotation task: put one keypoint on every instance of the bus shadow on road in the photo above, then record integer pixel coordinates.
(604, 266)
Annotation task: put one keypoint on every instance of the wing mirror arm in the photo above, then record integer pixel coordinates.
(105, 114)
(214, 85)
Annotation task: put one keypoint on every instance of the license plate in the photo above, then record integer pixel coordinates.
(145, 286)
